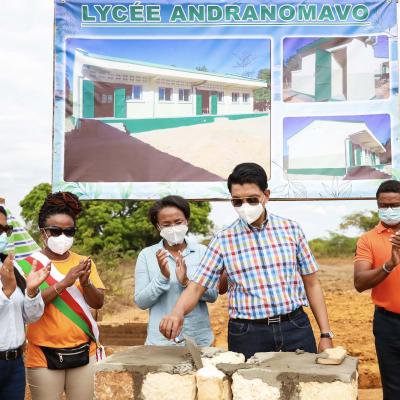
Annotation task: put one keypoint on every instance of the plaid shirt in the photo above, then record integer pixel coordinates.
(264, 267)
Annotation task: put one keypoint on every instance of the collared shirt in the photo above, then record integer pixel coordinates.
(15, 312)
(158, 294)
(374, 247)
(264, 267)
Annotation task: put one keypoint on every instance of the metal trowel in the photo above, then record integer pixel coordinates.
(194, 351)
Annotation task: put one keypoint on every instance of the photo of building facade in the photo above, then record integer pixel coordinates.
(336, 69)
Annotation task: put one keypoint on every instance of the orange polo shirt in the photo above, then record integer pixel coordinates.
(54, 329)
(374, 247)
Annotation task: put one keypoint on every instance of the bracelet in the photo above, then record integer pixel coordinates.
(55, 289)
(385, 269)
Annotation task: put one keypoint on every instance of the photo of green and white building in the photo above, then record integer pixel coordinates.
(337, 148)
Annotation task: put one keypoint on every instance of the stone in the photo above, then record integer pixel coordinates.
(328, 391)
(212, 384)
(114, 385)
(165, 386)
(253, 389)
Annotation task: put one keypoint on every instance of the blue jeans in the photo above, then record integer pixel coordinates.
(249, 337)
(12, 379)
(387, 343)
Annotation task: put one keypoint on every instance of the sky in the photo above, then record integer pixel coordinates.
(218, 56)
(26, 121)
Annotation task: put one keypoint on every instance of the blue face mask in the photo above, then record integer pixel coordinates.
(389, 216)
(3, 242)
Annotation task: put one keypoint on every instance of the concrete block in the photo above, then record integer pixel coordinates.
(253, 389)
(212, 384)
(169, 387)
(114, 385)
(328, 391)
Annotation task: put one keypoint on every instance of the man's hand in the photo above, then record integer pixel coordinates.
(74, 274)
(84, 278)
(181, 270)
(324, 343)
(395, 257)
(36, 278)
(7, 276)
(162, 259)
(171, 325)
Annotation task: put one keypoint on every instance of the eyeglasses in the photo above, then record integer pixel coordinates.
(181, 222)
(8, 229)
(57, 231)
(252, 200)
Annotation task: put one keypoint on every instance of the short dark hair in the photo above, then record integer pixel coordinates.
(59, 203)
(390, 186)
(248, 173)
(3, 211)
(169, 201)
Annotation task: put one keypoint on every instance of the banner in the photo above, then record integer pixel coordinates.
(166, 97)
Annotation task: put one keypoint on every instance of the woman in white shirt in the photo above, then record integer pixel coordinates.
(20, 303)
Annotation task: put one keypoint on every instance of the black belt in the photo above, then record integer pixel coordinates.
(276, 319)
(387, 312)
(10, 355)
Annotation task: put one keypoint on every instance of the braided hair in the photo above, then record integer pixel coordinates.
(59, 203)
(21, 283)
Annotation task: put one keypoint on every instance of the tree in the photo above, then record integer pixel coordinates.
(114, 229)
(335, 246)
(361, 220)
(202, 68)
(264, 94)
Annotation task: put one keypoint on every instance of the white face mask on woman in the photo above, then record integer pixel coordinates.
(59, 244)
(174, 234)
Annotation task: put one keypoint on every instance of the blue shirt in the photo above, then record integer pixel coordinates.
(158, 294)
(264, 267)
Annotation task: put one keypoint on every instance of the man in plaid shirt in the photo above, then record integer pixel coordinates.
(271, 275)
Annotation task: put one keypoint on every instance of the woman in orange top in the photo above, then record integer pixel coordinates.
(60, 354)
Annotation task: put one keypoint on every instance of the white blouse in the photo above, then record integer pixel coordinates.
(15, 312)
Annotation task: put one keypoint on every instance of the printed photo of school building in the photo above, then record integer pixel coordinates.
(337, 69)
(185, 117)
(334, 148)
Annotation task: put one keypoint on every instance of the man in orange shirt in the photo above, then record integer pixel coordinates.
(377, 267)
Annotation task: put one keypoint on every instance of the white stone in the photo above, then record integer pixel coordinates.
(253, 389)
(227, 357)
(212, 384)
(164, 386)
(328, 391)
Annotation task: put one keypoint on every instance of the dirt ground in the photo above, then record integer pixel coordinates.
(350, 315)
(233, 142)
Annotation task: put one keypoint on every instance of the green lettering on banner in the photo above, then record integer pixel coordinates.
(232, 13)
(102, 11)
(120, 13)
(287, 12)
(86, 17)
(307, 12)
(196, 13)
(267, 13)
(214, 13)
(360, 12)
(153, 13)
(250, 13)
(136, 13)
(326, 13)
(343, 12)
(178, 14)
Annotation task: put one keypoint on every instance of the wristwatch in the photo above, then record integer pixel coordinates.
(327, 335)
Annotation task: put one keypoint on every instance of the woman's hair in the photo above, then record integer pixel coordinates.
(3, 211)
(170, 201)
(59, 203)
(18, 277)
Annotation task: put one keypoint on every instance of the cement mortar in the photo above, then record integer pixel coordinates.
(145, 359)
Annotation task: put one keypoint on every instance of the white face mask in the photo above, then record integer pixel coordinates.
(174, 234)
(250, 213)
(3, 242)
(389, 216)
(59, 244)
